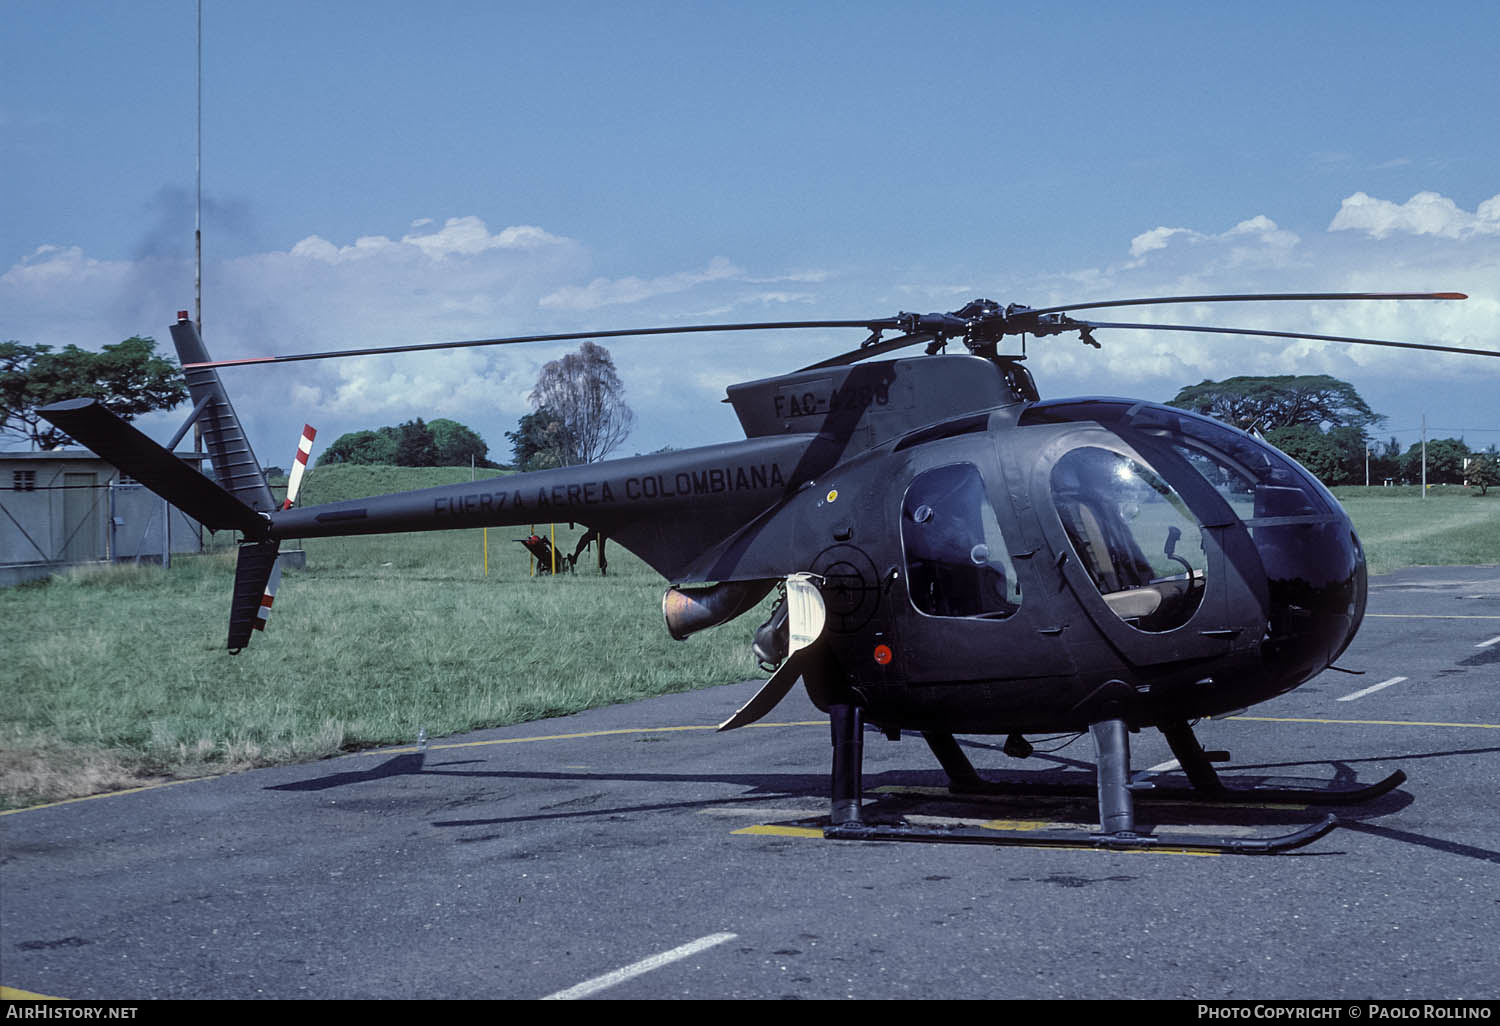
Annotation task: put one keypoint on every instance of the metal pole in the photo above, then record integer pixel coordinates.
(198, 243)
(1424, 455)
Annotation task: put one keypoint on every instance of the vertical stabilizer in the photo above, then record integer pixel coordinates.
(235, 465)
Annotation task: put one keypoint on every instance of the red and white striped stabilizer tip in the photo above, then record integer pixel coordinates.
(299, 465)
(264, 612)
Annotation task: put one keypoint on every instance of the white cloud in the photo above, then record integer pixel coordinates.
(1157, 238)
(1425, 245)
(613, 292)
(463, 281)
(1255, 235)
(1426, 213)
(460, 236)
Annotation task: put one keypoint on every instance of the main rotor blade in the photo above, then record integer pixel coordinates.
(886, 322)
(1295, 334)
(1270, 297)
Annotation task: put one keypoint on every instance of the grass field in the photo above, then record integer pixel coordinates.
(1452, 526)
(118, 676)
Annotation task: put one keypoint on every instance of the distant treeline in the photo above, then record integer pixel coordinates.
(442, 443)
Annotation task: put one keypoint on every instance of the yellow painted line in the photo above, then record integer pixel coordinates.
(112, 794)
(1431, 616)
(432, 748)
(12, 994)
(1365, 723)
(1020, 826)
(764, 830)
(581, 734)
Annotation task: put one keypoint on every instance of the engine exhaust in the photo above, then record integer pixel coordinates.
(689, 611)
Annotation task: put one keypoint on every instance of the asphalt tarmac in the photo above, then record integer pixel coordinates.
(631, 852)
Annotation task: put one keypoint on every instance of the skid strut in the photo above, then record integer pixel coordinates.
(847, 726)
(1113, 790)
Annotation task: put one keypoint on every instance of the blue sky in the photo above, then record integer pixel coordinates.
(394, 172)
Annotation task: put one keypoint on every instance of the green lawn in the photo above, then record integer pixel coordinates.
(119, 675)
(1398, 528)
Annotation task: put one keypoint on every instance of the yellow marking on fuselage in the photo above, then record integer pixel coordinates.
(12, 994)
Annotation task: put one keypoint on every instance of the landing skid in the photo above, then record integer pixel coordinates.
(1120, 841)
(1114, 791)
(962, 779)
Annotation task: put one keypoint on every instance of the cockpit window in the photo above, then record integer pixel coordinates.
(1259, 482)
(1136, 538)
(957, 563)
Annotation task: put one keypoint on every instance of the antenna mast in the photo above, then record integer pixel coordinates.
(198, 200)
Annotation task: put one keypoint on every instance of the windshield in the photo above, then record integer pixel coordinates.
(1139, 542)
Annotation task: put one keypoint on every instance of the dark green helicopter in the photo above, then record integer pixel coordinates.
(957, 555)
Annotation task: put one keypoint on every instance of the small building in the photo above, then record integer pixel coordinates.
(68, 506)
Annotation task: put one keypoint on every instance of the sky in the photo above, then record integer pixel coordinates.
(384, 173)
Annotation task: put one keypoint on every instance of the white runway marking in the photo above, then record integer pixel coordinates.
(1486, 644)
(1372, 689)
(1163, 767)
(645, 965)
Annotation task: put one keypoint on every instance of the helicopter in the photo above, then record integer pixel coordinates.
(953, 553)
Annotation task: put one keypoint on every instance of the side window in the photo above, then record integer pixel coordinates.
(957, 563)
(1139, 542)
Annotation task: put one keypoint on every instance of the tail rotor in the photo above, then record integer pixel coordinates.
(257, 575)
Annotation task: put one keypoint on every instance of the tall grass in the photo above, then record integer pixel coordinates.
(124, 669)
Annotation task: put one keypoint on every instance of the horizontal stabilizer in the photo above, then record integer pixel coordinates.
(256, 574)
(95, 427)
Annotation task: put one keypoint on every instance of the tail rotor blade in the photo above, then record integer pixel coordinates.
(263, 614)
(299, 465)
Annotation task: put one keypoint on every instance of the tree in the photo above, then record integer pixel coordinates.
(583, 391)
(1319, 452)
(442, 443)
(536, 444)
(1445, 462)
(1484, 470)
(1385, 461)
(457, 445)
(1319, 421)
(129, 378)
(361, 447)
(1276, 402)
(415, 446)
